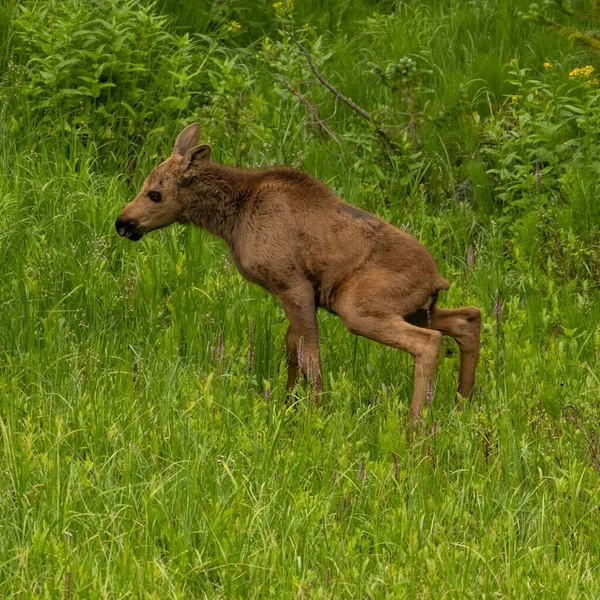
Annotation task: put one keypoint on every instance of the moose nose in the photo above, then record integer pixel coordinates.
(129, 228)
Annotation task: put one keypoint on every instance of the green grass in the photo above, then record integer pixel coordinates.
(146, 449)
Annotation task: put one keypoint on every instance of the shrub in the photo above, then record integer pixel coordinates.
(545, 128)
(542, 150)
(110, 69)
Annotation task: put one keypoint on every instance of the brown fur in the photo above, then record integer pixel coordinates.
(292, 235)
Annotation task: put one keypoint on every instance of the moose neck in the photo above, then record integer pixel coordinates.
(215, 199)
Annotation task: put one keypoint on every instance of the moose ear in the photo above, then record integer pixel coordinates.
(187, 139)
(192, 158)
(195, 156)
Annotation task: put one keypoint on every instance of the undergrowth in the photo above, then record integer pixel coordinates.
(147, 450)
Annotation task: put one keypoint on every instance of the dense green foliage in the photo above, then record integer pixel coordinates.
(146, 447)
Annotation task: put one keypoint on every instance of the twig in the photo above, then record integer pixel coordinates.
(574, 35)
(311, 109)
(475, 151)
(355, 107)
(412, 122)
(582, 16)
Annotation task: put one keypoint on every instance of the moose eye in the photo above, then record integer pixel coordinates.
(154, 196)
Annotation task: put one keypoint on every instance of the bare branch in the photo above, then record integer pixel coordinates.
(355, 107)
(311, 109)
(575, 36)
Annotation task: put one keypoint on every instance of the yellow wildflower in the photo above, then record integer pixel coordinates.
(515, 99)
(581, 72)
(536, 92)
(283, 8)
(513, 62)
(547, 65)
(234, 27)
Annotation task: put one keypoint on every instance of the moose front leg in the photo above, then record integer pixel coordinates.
(302, 337)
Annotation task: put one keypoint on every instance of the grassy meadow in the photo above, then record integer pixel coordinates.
(146, 447)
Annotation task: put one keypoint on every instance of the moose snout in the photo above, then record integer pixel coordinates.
(129, 227)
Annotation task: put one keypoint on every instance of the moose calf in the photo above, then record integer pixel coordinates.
(295, 237)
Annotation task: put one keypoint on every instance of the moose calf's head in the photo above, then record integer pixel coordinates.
(159, 203)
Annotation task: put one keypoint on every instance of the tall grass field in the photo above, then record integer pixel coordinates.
(147, 449)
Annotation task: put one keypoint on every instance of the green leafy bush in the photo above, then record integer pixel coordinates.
(542, 150)
(110, 69)
(544, 129)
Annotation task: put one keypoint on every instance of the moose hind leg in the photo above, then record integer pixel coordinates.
(422, 344)
(464, 325)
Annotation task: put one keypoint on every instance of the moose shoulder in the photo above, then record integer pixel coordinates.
(291, 234)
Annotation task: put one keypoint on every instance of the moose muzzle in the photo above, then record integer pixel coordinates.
(129, 228)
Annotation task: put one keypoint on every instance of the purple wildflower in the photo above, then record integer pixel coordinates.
(68, 585)
(250, 346)
(362, 471)
(220, 349)
(301, 351)
(498, 312)
(313, 373)
(347, 501)
(429, 393)
(470, 257)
